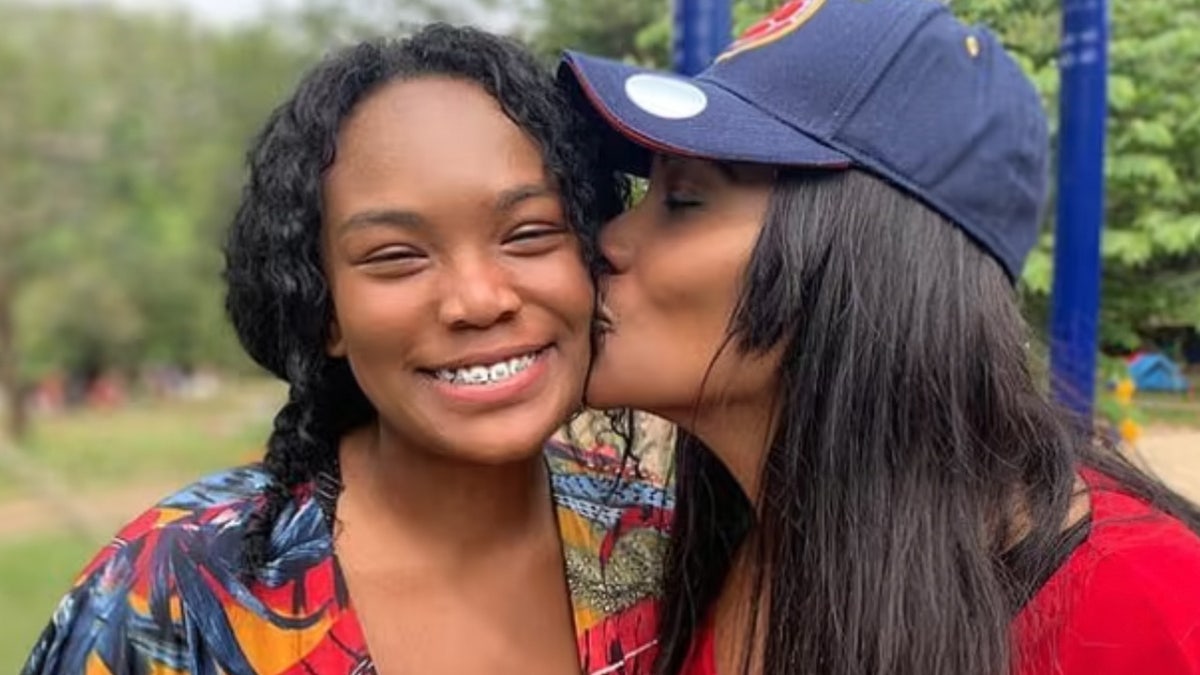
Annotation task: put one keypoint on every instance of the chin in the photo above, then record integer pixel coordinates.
(502, 439)
(611, 389)
(609, 384)
(497, 451)
(610, 392)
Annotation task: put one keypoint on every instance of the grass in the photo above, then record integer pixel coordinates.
(35, 573)
(1151, 409)
(1173, 410)
(168, 441)
(97, 452)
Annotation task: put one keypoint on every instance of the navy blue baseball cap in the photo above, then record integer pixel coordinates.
(899, 88)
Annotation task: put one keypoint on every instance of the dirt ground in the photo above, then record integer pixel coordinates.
(1174, 455)
(96, 515)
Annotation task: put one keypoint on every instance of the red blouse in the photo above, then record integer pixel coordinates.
(1125, 602)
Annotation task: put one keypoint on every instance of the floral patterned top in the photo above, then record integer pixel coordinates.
(165, 596)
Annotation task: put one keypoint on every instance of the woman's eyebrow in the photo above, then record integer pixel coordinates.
(510, 198)
(388, 217)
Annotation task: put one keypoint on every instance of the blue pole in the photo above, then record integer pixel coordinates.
(1080, 219)
(701, 30)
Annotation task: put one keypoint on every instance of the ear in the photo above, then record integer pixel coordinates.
(335, 346)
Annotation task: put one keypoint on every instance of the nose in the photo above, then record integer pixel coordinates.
(478, 294)
(616, 243)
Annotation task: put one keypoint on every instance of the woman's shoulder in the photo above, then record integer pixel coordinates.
(1130, 537)
(614, 517)
(221, 501)
(1143, 559)
(1129, 607)
(179, 558)
(1128, 599)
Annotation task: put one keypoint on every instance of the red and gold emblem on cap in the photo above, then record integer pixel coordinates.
(790, 16)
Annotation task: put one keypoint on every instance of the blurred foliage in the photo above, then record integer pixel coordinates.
(1152, 237)
(122, 136)
(635, 30)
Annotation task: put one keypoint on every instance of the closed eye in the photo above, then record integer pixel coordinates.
(535, 238)
(679, 201)
(392, 254)
(393, 261)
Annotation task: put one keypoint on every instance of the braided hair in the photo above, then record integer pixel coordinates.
(278, 298)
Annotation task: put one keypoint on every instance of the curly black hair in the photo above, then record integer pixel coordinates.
(278, 298)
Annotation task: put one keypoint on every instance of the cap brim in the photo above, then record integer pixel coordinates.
(690, 116)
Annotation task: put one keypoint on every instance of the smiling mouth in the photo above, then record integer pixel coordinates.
(489, 373)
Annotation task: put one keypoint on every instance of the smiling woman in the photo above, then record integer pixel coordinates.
(447, 250)
(408, 257)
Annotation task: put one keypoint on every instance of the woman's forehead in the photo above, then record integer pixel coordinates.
(732, 171)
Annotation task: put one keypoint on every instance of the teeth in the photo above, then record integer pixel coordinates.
(486, 374)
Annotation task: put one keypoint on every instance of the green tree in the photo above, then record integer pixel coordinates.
(1152, 242)
(122, 156)
(1151, 245)
(42, 151)
(323, 23)
(122, 137)
(634, 30)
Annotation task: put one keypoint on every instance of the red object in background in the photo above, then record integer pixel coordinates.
(107, 392)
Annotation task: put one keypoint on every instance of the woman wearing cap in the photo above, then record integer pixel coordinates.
(818, 289)
(409, 255)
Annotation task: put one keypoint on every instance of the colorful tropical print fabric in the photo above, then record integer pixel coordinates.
(165, 597)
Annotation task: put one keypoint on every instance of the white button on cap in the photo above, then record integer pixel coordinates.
(666, 97)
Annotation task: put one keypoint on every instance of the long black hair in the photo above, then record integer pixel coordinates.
(278, 299)
(914, 444)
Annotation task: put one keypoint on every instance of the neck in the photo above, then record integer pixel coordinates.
(739, 435)
(449, 512)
